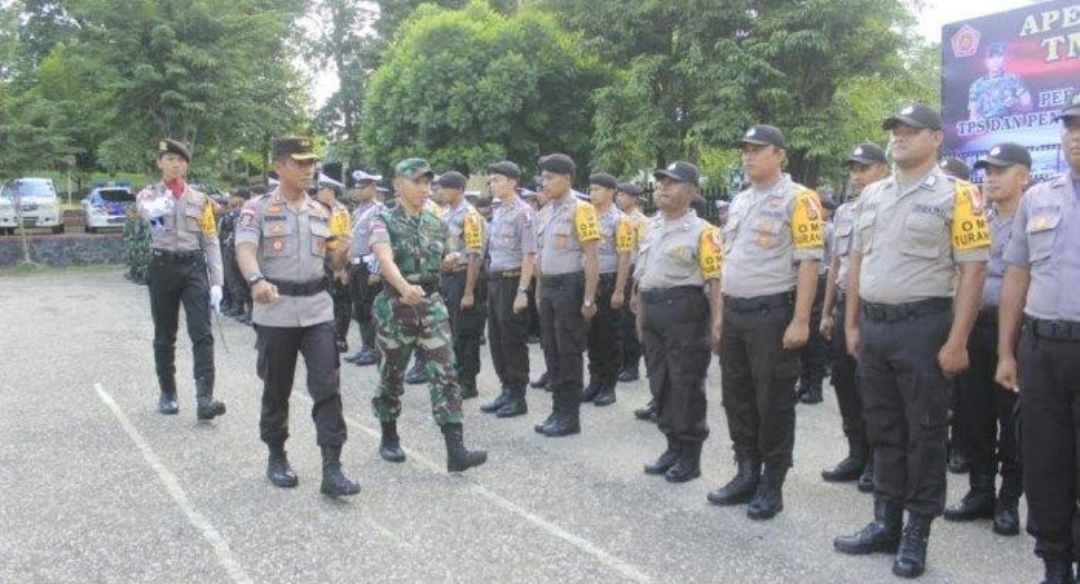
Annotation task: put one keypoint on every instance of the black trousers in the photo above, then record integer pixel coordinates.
(363, 299)
(905, 404)
(342, 298)
(173, 282)
(675, 326)
(987, 415)
(605, 342)
(631, 348)
(1050, 442)
(564, 330)
(845, 380)
(235, 284)
(507, 333)
(758, 384)
(277, 349)
(815, 355)
(466, 326)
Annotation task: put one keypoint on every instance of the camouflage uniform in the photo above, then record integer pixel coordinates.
(994, 95)
(136, 248)
(418, 245)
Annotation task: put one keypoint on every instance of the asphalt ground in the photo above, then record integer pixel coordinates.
(96, 486)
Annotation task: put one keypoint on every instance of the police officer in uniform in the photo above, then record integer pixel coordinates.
(465, 300)
(613, 254)
(914, 233)
(627, 200)
(185, 268)
(679, 309)
(772, 247)
(511, 249)
(240, 305)
(282, 240)
(409, 242)
(866, 165)
(567, 236)
(337, 279)
(364, 280)
(983, 404)
(1040, 286)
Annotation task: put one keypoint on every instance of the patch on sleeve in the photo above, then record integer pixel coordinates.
(624, 235)
(473, 231)
(710, 253)
(207, 222)
(807, 225)
(585, 222)
(969, 227)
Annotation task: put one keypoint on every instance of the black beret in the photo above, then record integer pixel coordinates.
(605, 180)
(168, 145)
(452, 180)
(557, 163)
(505, 168)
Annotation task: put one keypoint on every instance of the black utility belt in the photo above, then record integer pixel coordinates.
(1054, 330)
(907, 310)
(663, 295)
(562, 279)
(178, 257)
(289, 288)
(511, 273)
(760, 303)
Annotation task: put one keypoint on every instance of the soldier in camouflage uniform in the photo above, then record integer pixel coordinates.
(409, 242)
(136, 247)
(998, 93)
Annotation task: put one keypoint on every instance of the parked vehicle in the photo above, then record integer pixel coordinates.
(37, 203)
(106, 207)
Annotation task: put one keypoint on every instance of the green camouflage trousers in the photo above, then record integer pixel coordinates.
(136, 249)
(400, 329)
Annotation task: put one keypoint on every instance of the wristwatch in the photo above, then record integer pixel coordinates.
(256, 277)
(587, 304)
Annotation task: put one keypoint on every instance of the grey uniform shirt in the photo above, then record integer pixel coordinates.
(908, 238)
(291, 244)
(606, 252)
(638, 221)
(843, 232)
(1046, 241)
(1000, 234)
(672, 253)
(361, 231)
(559, 235)
(511, 235)
(183, 227)
(761, 253)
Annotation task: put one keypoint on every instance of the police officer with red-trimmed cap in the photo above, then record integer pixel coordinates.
(1039, 288)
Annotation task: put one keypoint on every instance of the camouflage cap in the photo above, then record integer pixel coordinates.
(413, 168)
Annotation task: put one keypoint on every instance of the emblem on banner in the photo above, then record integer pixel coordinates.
(965, 42)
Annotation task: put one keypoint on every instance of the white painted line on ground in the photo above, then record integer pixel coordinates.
(172, 485)
(625, 569)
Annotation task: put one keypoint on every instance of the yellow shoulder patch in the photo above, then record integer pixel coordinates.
(807, 221)
(969, 228)
(585, 222)
(624, 235)
(710, 252)
(207, 222)
(473, 231)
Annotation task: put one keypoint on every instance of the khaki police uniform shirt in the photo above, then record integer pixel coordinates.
(912, 239)
(362, 216)
(616, 238)
(561, 228)
(466, 232)
(188, 226)
(292, 244)
(768, 232)
(687, 251)
(843, 233)
(512, 234)
(1046, 241)
(1000, 233)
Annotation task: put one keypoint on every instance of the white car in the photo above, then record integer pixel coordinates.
(37, 200)
(106, 207)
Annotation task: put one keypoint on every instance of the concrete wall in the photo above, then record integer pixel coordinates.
(64, 250)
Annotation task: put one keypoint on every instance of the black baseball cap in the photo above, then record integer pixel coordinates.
(763, 135)
(505, 168)
(452, 180)
(955, 168)
(557, 163)
(1005, 155)
(298, 148)
(679, 171)
(867, 153)
(1073, 111)
(170, 146)
(632, 189)
(916, 115)
(605, 180)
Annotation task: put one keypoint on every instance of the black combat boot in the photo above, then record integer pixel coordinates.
(547, 422)
(390, 445)
(341, 344)
(648, 413)
(334, 482)
(688, 466)
(667, 459)
(369, 356)
(417, 374)
(499, 402)
(562, 425)
(541, 382)
(882, 535)
(167, 403)
(515, 405)
(866, 480)
(457, 457)
(812, 395)
(848, 469)
(1006, 512)
(769, 497)
(468, 388)
(606, 396)
(209, 408)
(278, 470)
(591, 391)
(246, 317)
(741, 488)
(355, 356)
(911, 559)
(1058, 571)
(630, 373)
(978, 503)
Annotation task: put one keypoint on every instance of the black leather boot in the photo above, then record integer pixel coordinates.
(688, 466)
(741, 488)
(911, 559)
(468, 389)
(334, 482)
(167, 403)
(849, 469)
(369, 356)
(648, 413)
(209, 408)
(606, 396)
(354, 357)
(1058, 571)
(562, 425)
(278, 470)
(979, 501)
(769, 498)
(515, 405)
(667, 459)
(591, 391)
(812, 395)
(1006, 512)
(547, 422)
(493, 406)
(882, 535)
(866, 479)
(457, 457)
(541, 382)
(417, 374)
(629, 374)
(390, 445)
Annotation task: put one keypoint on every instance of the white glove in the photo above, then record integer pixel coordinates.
(215, 298)
(158, 207)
